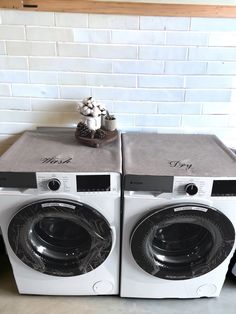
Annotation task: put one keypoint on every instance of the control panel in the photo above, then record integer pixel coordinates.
(204, 187)
(78, 182)
(56, 182)
(196, 186)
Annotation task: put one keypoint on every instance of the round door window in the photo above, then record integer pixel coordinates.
(183, 241)
(60, 237)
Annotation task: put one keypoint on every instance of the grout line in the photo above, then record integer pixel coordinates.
(54, 19)
(190, 24)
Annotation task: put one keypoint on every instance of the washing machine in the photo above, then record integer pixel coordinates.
(179, 215)
(60, 214)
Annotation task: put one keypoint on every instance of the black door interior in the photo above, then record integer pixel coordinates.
(182, 241)
(60, 237)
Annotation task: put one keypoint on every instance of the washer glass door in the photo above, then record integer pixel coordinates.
(182, 241)
(60, 237)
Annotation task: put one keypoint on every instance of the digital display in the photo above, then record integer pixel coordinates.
(93, 183)
(224, 188)
(21, 180)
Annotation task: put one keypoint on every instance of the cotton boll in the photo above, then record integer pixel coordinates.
(89, 106)
(103, 112)
(88, 112)
(87, 100)
(96, 112)
(79, 105)
(101, 106)
(83, 111)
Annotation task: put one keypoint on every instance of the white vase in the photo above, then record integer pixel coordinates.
(93, 123)
(110, 125)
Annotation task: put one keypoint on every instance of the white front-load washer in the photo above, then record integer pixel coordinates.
(179, 215)
(60, 214)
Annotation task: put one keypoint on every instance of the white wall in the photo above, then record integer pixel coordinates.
(155, 73)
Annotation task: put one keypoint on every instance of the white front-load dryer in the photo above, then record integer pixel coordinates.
(178, 216)
(60, 214)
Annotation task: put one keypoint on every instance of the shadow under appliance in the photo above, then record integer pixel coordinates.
(60, 214)
(179, 215)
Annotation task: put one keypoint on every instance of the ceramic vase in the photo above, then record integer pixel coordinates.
(93, 123)
(110, 124)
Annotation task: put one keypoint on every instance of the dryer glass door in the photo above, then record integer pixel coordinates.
(181, 242)
(60, 237)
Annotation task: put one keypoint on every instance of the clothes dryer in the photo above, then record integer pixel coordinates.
(179, 215)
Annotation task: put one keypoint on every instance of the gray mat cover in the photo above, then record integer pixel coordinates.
(176, 155)
(29, 152)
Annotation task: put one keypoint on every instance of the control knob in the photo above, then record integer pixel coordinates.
(191, 189)
(54, 184)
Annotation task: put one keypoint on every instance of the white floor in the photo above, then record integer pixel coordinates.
(13, 303)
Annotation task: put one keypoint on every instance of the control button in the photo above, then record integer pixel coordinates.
(191, 189)
(54, 184)
(103, 287)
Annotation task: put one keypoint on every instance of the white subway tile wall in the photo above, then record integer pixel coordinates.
(156, 74)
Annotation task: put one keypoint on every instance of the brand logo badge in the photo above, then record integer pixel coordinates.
(136, 182)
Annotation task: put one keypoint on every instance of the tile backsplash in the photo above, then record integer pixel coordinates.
(158, 74)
